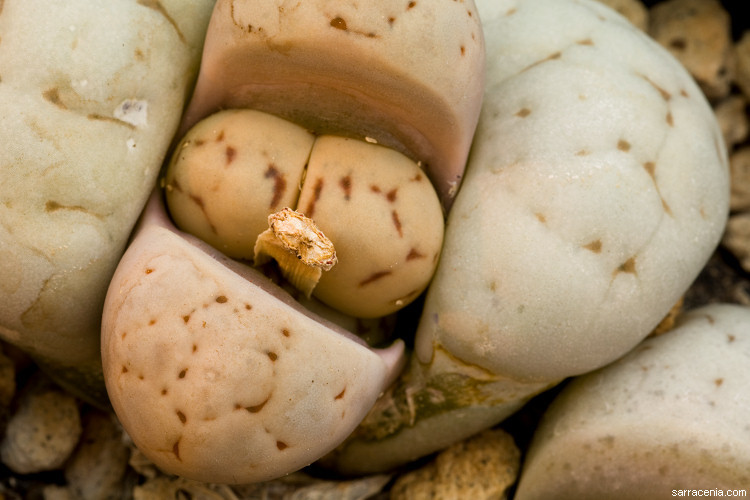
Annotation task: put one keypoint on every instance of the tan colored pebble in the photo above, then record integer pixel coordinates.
(739, 165)
(732, 115)
(176, 487)
(742, 58)
(97, 467)
(55, 492)
(698, 34)
(354, 489)
(737, 238)
(279, 488)
(633, 10)
(480, 468)
(43, 432)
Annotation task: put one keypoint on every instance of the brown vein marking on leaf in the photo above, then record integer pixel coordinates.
(664, 94)
(158, 7)
(258, 407)
(53, 206)
(552, 57)
(230, 153)
(650, 168)
(666, 207)
(53, 95)
(98, 117)
(373, 277)
(594, 246)
(414, 254)
(627, 267)
(317, 188)
(279, 184)
(346, 184)
(397, 223)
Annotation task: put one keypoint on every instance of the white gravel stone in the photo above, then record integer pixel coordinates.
(737, 238)
(481, 468)
(697, 32)
(43, 432)
(739, 164)
(732, 115)
(96, 469)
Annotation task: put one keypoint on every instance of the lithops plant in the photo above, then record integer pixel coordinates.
(236, 168)
(216, 373)
(91, 94)
(670, 416)
(596, 190)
